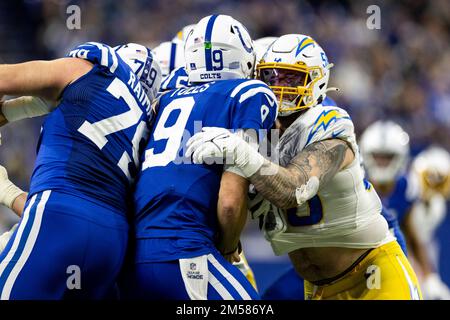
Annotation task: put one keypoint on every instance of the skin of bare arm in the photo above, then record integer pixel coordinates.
(19, 204)
(231, 214)
(45, 79)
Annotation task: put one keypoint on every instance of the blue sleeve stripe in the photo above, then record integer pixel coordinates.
(169, 78)
(243, 85)
(115, 62)
(104, 57)
(254, 91)
(173, 54)
(209, 28)
(105, 52)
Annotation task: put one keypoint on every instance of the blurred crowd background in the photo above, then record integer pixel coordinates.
(401, 71)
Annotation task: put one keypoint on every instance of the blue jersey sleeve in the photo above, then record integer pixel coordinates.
(256, 106)
(96, 53)
(178, 78)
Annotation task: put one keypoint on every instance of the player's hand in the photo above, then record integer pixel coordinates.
(3, 174)
(8, 190)
(434, 288)
(244, 267)
(233, 257)
(213, 143)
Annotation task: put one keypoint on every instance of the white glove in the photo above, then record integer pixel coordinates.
(434, 289)
(4, 238)
(25, 107)
(213, 145)
(8, 190)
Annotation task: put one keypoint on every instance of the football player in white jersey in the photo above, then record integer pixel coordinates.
(432, 169)
(320, 210)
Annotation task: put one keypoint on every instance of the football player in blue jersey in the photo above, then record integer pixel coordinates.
(384, 147)
(73, 234)
(168, 54)
(189, 217)
(385, 150)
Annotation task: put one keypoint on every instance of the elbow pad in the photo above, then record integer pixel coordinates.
(25, 107)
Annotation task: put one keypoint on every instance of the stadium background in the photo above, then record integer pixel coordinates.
(399, 72)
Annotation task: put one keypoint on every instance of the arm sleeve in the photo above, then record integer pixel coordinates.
(96, 53)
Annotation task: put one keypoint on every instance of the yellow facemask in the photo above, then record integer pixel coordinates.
(303, 91)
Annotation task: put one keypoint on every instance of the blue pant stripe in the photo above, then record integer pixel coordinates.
(227, 285)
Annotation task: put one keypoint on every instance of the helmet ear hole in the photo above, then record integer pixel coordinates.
(249, 65)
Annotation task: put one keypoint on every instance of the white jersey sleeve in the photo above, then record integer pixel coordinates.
(328, 122)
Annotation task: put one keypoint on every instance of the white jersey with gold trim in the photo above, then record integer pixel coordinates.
(346, 212)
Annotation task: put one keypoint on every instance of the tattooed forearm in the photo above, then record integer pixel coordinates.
(322, 159)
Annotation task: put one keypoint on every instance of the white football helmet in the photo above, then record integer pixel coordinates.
(142, 63)
(297, 70)
(433, 169)
(169, 55)
(183, 33)
(384, 147)
(219, 48)
(261, 46)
